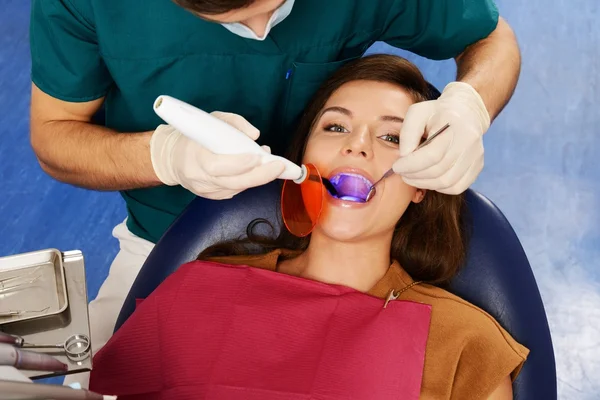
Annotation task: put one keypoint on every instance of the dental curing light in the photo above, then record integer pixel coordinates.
(303, 190)
(218, 136)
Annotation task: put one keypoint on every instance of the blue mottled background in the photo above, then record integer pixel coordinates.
(540, 170)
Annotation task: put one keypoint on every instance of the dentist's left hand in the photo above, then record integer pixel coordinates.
(451, 162)
(178, 160)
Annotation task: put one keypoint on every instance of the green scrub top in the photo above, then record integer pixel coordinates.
(133, 51)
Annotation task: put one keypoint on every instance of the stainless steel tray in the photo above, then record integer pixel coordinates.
(76, 319)
(33, 284)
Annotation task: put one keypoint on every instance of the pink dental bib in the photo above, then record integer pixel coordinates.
(219, 332)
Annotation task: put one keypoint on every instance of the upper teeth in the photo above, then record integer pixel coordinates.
(336, 179)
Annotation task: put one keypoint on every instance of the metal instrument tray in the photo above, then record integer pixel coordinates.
(74, 321)
(33, 284)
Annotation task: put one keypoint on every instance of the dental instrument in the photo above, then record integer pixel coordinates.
(301, 202)
(218, 136)
(13, 278)
(6, 288)
(372, 190)
(34, 391)
(221, 138)
(12, 313)
(29, 360)
(75, 347)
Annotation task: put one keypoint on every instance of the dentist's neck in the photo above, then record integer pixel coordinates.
(359, 265)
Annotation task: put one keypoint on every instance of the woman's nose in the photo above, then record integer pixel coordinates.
(359, 144)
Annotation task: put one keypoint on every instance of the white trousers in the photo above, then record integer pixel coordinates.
(105, 308)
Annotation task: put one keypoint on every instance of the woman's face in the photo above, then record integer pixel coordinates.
(353, 143)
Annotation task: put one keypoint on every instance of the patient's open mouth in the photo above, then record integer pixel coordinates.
(351, 186)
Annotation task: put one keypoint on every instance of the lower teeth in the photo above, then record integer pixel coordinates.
(351, 198)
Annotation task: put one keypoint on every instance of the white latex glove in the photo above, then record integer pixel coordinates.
(454, 159)
(178, 160)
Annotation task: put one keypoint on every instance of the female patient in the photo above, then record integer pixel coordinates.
(355, 311)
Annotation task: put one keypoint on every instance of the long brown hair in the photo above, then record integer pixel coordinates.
(430, 239)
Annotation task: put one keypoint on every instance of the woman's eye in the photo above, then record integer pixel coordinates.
(391, 138)
(335, 128)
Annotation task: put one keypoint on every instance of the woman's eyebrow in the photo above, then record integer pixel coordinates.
(347, 112)
(391, 118)
(340, 110)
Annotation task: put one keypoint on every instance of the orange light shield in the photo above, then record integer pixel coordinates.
(301, 205)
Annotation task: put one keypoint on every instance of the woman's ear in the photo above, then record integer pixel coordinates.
(419, 195)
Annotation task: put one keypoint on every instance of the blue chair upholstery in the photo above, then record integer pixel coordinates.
(497, 276)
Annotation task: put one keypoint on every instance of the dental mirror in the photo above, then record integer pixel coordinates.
(76, 347)
(372, 191)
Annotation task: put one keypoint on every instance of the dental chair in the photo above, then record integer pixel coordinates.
(497, 276)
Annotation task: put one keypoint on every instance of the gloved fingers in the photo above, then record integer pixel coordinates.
(435, 171)
(450, 165)
(163, 144)
(414, 125)
(426, 157)
(426, 184)
(220, 194)
(222, 165)
(201, 186)
(446, 180)
(258, 176)
(266, 148)
(455, 181)
(467, 179)
(454, 174)
(238, 122)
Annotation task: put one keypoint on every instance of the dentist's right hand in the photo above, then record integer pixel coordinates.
(178, 160)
